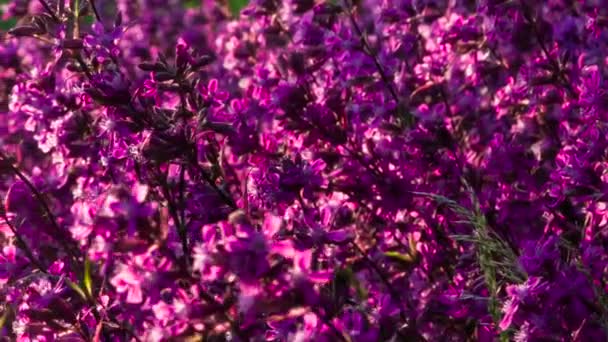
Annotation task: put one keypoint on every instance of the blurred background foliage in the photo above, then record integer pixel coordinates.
(234, 5)
(6, 24)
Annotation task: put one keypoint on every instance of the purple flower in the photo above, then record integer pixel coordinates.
(128, 281)
(368, 170)
(211, 93)
(103, 42)
(521, 297)
(541, 257)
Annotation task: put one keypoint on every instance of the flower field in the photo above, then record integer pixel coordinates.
(304, 170)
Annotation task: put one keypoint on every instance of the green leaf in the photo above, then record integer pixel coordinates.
(8, 24)
(89, 19)
(401, 257)
(76, 288)
(192, 3)
(5, 317)
(344, 278)
(87, 281)
(236, 6)
(361, 291)
(341, 281)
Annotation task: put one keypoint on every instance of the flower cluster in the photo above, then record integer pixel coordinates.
(374, 170)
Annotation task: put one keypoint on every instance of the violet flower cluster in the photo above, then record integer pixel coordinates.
(349, 170)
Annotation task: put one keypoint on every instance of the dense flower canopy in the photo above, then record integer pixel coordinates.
(359, 170)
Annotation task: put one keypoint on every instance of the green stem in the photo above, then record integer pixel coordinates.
(76, 13)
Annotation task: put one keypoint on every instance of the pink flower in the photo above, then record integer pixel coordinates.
(128, 281)
(211, 93)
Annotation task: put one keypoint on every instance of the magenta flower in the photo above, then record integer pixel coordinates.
(306, 170)
(150, 89)
(128, 281)
(211, 93)
(521, 297)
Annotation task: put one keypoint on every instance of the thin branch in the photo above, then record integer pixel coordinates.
(182, 190)
(181, 228)
(94, 7)
(226, 198)
(393, 292)
(557, 68)
(23, 245)
(40, 198)
(83, 65)
(383, 75)
(223, 312)
(327, 321)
